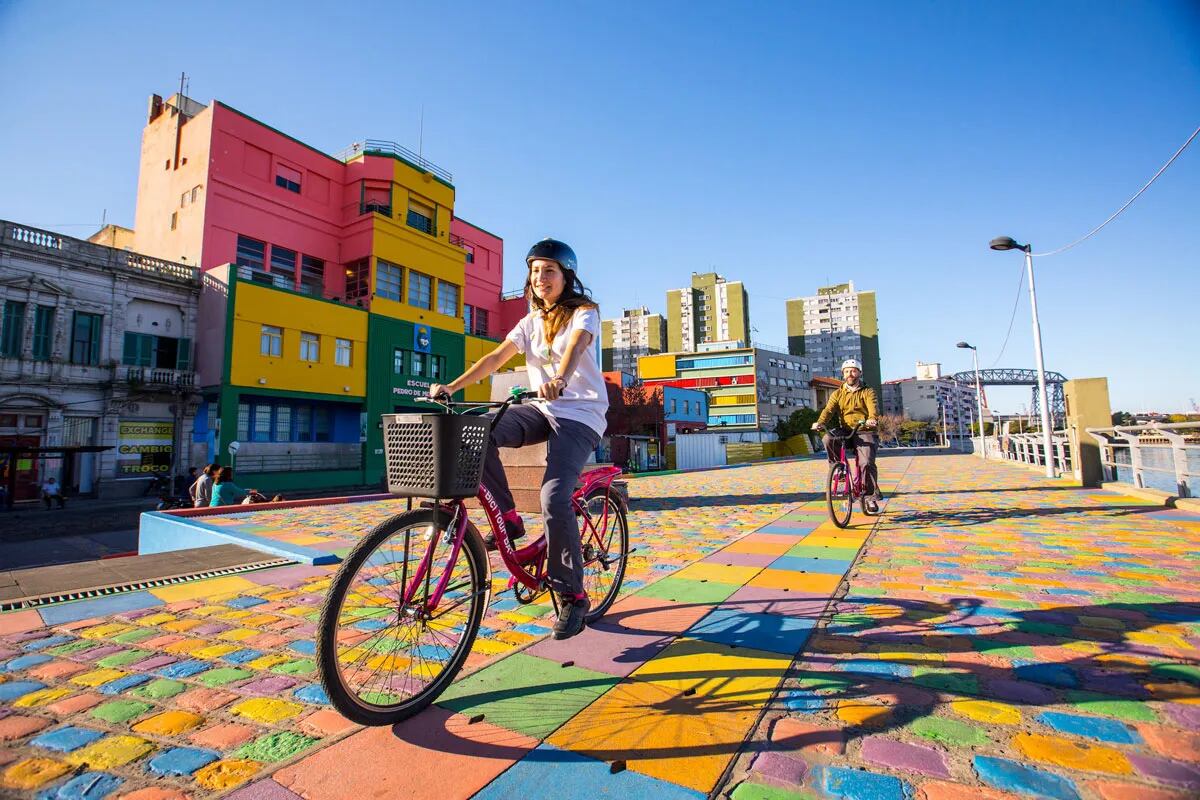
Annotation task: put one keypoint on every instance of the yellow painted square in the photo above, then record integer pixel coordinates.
(717, 573)
(237, 614)
(181, 625)
(659, 732)
(184, 646)
(815, 540)
(736, 677)
(105, 631)
(796, 581)
(215, 651)
(759, 547)
(238, 635)
(207, 588)
(97, 677)
(154, 619)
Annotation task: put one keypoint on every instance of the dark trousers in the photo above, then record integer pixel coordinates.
(47, 498)
(566, 453)
(865, 445)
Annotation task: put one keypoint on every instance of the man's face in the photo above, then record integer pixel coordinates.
(851, 375)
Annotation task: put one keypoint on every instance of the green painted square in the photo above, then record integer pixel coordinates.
(962, 683)
(160, 689)
(118, 711)
(833, 553)
(133, 637)
(77, 646)
(1096, 703)
(122, 659)
(277, 746)
(948, 731)
(222, 675)
(301, 666)
(527, 694)
(1003, 650)
(759, 791)
(682, 590)
(533, 611)
(1179, 672)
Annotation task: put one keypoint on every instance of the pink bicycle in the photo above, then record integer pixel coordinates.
(845, 485)
(404, 609)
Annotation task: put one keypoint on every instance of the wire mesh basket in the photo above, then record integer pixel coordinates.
(435, 455)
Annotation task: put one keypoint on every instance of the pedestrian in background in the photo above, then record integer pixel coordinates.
(201, 490)
(52, 491)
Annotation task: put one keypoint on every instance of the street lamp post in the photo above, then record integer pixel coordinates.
(978, 397)
(1008, 243)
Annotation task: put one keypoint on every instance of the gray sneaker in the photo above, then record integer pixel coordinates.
(572, 616)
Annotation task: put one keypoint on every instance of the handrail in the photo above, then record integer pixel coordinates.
(1147, 446)
(103, 256)
(383, 147)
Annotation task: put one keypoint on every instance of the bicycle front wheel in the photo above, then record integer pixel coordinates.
(383, 660)
(837, 495)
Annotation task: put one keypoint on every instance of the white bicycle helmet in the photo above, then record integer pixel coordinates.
(850, 362)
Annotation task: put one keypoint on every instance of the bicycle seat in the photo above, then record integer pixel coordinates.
(600, 476)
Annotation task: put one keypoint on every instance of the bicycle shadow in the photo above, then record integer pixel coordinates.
(927, 654)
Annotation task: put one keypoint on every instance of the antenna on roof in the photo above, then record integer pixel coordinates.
(421, 135)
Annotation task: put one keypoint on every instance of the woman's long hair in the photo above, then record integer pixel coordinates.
(223, 475)
(574, 296)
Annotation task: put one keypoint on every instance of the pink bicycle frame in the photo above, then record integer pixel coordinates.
(515, 560)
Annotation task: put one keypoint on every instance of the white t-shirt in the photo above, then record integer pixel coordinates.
(585, 398)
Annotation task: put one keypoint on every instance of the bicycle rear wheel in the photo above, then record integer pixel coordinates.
(605, 550)
(382, 660)
(837, 495)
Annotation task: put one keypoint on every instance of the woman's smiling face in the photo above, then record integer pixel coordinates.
(547, 279)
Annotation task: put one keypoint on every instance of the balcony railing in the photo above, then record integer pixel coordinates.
(153, 378)
(382, 147)
(298, 462)
(98, 255)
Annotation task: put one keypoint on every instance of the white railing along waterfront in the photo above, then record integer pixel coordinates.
(1028, 448)
(1153, 456)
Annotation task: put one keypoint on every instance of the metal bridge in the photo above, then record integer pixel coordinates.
(1022, 377)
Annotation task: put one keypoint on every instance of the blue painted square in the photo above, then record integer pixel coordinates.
(866, 666)
(122, 684)
(854, 784)
(817, 566)
(245, 602)
(533, 628)
(312, 694)
(66, 740)
(25, 662)
(1049, 674)
(1106, 730)
(184, 669)
(46, 641)
(14, 690)
(1011, 776)
(771, 632)
(304, 647)
(372, 624)
(242, 656)
(430, 652)
(803, 701)
(181, 761)
(98, 607)
(548, 773)
(88, 786)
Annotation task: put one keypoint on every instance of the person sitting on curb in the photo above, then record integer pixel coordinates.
(52, 491)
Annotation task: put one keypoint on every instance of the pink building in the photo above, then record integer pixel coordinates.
(485, 312)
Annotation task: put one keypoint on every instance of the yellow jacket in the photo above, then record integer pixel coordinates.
(851, 408)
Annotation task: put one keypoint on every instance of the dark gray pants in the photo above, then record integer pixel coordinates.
(566, 453)
(864, 445)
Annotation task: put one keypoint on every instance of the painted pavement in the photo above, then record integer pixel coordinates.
(1002, 636)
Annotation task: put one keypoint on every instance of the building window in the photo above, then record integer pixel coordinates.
(447, 299)
(376, 199)
(468, 310)
(252, 255)
(195, 192)
(418, 363)
(271, 343)
(342, 351)
(261, 414)
(398, 361)
(481, 322)
(420, 216)
(43, 333)
(310, 347)
(320, 424)
(437, 367)
(312, 276)
(283, 267)
(85, 339)
(674, 405)
(357, 279)
(304, 423)
(13, 337)
(388, 279)
(420, 288)
(287, 178)
(283, 423)
(174, 219)
(470, 253)
(243, 421)
(145, 350)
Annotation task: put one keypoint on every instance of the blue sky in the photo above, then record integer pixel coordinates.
(784, 144)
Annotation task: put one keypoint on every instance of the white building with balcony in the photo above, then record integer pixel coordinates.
(96, 349)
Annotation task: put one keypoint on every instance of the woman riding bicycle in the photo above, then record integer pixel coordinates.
(556, 337)
(851, 404)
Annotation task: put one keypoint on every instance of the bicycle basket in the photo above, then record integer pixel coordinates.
(435, 455)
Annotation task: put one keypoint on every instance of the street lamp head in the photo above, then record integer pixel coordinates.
(964, 345)
(1006, 243)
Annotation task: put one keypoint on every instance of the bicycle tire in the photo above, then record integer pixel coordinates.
(342, 697)
(838, 476)
(622, 555)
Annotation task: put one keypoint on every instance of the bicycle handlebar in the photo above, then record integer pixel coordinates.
(447, 405)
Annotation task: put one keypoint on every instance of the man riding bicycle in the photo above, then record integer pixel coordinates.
(556, 338)
(851, 404)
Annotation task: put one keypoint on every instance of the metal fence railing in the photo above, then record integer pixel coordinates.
(386, 148)
(99, 255)
(1154, 456)
(252, 463)
(1028, 448)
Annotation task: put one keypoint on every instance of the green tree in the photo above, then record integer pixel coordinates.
(800, 421)
(1122, 418)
